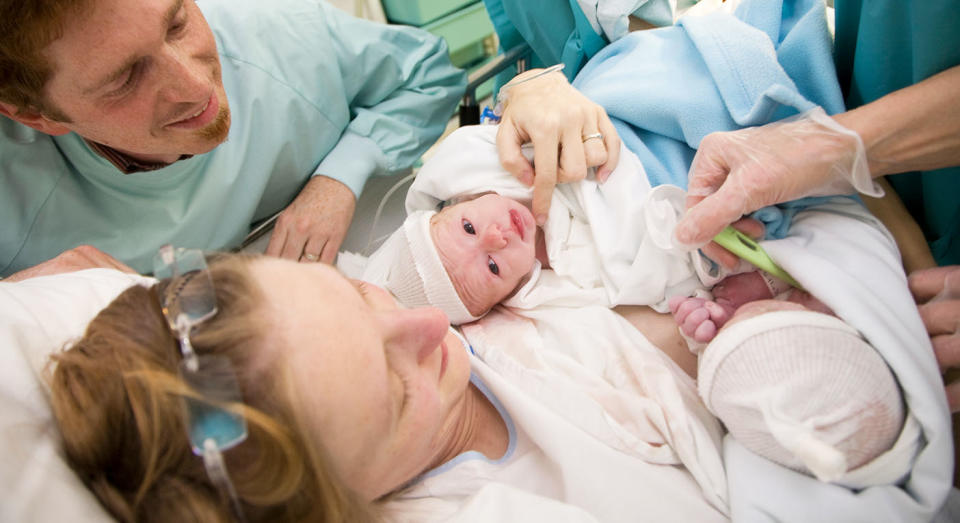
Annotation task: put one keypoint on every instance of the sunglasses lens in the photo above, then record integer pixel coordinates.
(216, 384)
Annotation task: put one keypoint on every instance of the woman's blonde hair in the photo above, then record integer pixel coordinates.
(117, 397)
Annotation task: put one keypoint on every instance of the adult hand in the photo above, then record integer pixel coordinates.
(735, 173)
(937, 293)
(569, 134)
(313, 226)
(75, 259)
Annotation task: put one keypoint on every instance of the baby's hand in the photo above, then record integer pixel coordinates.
(698, 318)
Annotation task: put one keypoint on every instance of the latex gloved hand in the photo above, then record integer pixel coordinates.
(314, 225)
(735, 173)
(569, 134)
(937, 292)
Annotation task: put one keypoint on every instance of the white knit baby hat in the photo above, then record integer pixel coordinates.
(416, 275)
(802, 389)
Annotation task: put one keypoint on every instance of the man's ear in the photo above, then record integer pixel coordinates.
(33, 119)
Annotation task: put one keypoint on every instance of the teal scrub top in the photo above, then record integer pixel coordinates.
(886, 45)
(557, 32)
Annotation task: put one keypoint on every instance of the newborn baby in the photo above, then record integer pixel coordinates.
(487, 247)
(795, 384)
(604, 243)
(463, 260)
(479, 252)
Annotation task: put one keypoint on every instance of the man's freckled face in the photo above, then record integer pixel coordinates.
(142, 77)
(487, 246)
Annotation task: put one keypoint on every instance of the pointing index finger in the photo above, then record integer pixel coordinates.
(545, 176)
(509, 142)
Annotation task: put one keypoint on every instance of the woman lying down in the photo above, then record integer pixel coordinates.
(358, 409)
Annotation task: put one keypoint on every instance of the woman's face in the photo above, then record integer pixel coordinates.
(487, 246)
(380, 387)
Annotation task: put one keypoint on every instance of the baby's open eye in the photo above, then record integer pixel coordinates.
(492, 265)
(467, 226)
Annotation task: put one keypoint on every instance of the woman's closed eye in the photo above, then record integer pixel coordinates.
(360, 286)
(404, 394)
(468, 227)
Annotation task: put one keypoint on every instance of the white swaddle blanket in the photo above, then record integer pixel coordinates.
(845, 257)
(650, 407)
(619, 430)
(608, 244)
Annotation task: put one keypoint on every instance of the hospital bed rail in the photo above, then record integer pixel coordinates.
(469, 106)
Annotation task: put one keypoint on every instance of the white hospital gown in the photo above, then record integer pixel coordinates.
(603, 428)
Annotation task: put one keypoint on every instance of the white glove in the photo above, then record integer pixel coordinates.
(737, 172)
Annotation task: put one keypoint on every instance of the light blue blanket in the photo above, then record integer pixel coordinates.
(666, 89)
(715, 73)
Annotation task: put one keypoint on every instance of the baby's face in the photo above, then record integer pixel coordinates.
(486, 246)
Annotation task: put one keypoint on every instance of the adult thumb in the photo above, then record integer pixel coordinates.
(707, 218)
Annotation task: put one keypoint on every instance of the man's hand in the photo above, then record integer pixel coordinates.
(313, 226)
(937, 293)
(76, 259)
(569, 134)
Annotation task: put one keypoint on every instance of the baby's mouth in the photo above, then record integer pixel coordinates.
(517, 222)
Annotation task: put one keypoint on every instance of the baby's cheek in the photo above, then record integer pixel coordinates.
(807, 300)
(742, 288)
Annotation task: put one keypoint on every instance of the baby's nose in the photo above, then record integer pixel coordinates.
(493, 238)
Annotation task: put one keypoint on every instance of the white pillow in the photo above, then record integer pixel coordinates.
(37, 317)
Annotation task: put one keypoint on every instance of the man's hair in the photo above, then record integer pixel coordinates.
(27, 27)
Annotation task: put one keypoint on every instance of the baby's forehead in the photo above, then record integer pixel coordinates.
(448, 206)
(483, 198)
